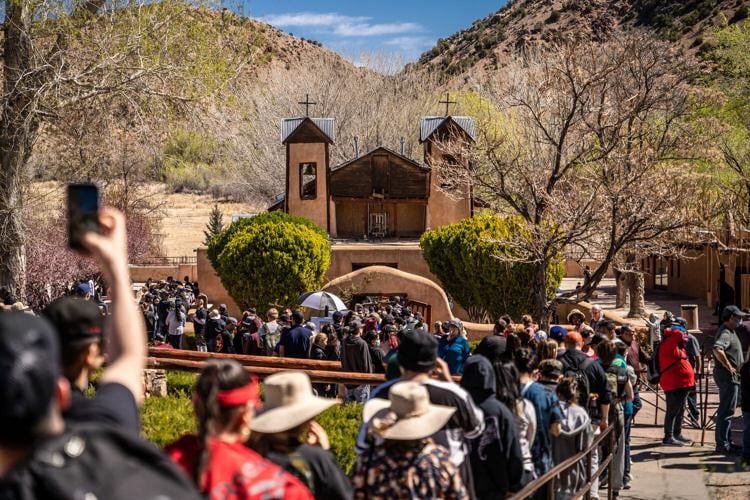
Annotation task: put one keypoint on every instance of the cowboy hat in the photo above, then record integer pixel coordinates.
(289, 402)
(407, 413)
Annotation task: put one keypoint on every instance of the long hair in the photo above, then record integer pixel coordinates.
(508, 390)
(217, 375)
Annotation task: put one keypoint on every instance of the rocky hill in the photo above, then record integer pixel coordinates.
(522, 24)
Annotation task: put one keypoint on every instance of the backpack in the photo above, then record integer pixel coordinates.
(584, 389)
(617, 379)
(97, 462)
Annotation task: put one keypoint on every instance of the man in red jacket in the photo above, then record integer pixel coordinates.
(677, 377)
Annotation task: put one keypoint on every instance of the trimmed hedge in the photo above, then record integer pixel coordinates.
(464, 257)
(164, 419)
(271, 258)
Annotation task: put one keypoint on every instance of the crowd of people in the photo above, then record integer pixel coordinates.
(448, 422)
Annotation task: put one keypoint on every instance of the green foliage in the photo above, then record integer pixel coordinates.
(270, 259)
(164, 419)
(464, 256)
(342, 423)
(180, 383)
(189, 160)
(215, 224)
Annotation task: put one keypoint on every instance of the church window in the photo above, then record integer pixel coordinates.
(308, 181)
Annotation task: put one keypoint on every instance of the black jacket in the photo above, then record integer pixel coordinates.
(594, 372)
(496, 458)
(317, 352)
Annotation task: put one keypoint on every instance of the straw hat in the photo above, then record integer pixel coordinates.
(289, 402)
(575, 312)
(406, 414)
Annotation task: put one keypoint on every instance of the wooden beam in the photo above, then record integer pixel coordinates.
(266, 361)
(393, 201)
(332, 377)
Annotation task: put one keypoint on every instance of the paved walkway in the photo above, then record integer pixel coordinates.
(656, 301)
(672, 472)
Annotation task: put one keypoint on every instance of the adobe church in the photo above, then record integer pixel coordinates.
(380, 195)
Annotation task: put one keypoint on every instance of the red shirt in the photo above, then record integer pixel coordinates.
(235, 472)
(677, 375)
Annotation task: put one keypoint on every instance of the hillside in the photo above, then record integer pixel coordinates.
(523, 24)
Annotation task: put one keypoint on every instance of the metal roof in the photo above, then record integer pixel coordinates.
(381, 148)
(326, 125)
(430, 124)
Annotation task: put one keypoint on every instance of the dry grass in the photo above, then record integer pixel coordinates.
(183, 215)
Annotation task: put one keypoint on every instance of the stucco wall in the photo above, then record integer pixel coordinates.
(443, 209)
(315, 209)
(387, 280)
(408, 258)
(688, 276)
(210, 284)
(574, 269)
(140, 274)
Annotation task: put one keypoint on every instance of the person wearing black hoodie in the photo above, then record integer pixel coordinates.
(496, 458)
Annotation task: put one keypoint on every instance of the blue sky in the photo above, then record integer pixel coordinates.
(405, 27)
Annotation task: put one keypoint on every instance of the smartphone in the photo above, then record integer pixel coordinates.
(83, 213)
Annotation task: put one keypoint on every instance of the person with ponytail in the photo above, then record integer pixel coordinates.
(224, 399)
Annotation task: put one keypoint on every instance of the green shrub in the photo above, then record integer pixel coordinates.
(342, 423)
(180, 383)
(270, 259)
(553, 17)
(464, 257)
(164, 419)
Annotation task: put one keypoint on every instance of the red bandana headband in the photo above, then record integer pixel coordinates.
(240, 395)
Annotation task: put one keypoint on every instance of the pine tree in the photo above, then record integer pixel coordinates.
(215, 224)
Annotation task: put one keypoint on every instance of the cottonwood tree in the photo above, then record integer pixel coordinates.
(57, 55)
(649, 190)
(551, 143)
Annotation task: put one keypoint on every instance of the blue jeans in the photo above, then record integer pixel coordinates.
(359, 394)
(728, 394)
(746, 436)
(628, 427)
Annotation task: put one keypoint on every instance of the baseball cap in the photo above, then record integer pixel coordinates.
(730, 311)
(551, 368)
(298, 317)
(78, 322)
(29, 369)
(573, 338)
(355, 325)
(417, 351)
(456, 323)
(557, 333)
(83, 289)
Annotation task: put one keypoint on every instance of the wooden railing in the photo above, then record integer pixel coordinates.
(262, 366)
(549, 479)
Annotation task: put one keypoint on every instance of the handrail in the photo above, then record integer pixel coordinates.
(246, 360)
(551, 475)
(332, 377)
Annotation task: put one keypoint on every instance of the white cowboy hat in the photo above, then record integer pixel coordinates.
(289, 402)
(407, 413)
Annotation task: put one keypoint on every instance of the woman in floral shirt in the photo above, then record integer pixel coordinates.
(408, 464)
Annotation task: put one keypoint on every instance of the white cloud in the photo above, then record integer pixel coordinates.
(411, 42)
(339, 24)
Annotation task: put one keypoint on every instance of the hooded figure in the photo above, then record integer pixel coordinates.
(496, 458)
(575, 436)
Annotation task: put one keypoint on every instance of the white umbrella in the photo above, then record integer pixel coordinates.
(322, 300)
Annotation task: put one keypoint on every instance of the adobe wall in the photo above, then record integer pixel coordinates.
(408, 258)
(139, 274)
(574, 269)
(211, 285)
(387, 280)
(688, 276)
(314, 209)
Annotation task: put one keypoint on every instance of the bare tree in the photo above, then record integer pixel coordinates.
(58, 55)
(580, 144)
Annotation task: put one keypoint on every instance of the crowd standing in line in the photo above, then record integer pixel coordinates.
(526, 399)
